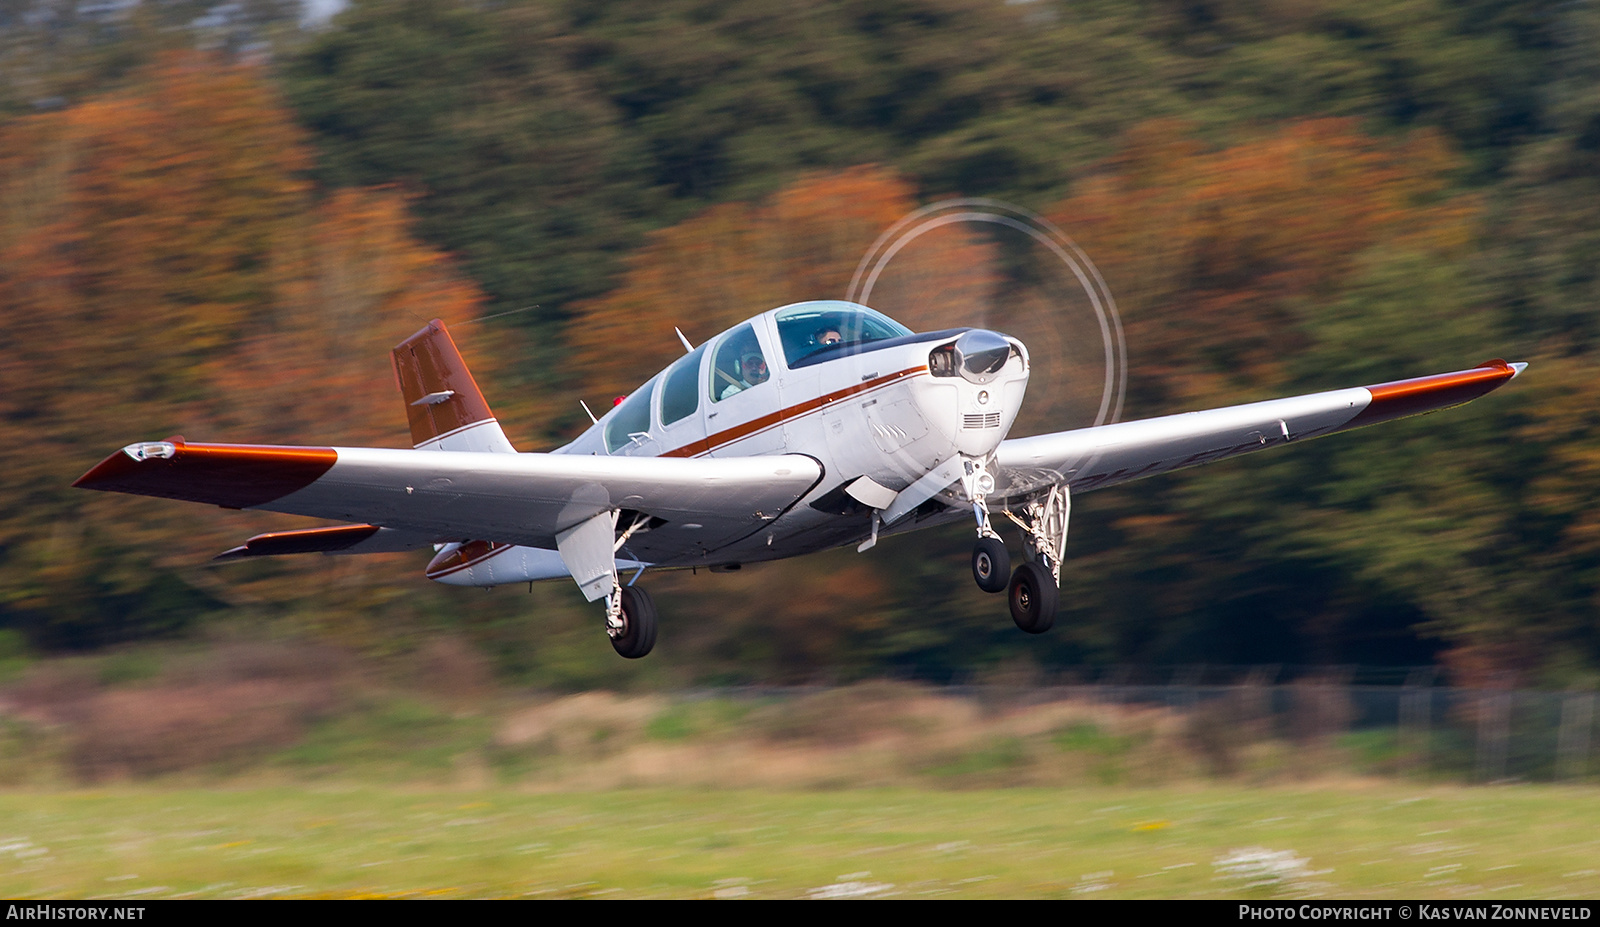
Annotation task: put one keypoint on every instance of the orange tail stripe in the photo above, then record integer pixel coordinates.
(234, 476)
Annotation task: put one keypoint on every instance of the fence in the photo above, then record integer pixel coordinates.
(1416, 728)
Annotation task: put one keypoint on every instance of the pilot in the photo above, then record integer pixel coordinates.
(752, 372)
(825, 336)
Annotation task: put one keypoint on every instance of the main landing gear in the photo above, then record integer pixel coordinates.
(1033, 591)
(588, 550)
(633, 629)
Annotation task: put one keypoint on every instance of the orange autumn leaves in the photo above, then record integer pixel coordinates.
(739, 259)
(165, 266)
(1218, 257)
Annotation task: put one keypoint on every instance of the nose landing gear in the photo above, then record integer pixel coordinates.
(990, 564)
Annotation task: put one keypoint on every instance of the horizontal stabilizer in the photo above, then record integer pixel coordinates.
(340, 539)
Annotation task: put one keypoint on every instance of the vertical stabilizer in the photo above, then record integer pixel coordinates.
(446, 410)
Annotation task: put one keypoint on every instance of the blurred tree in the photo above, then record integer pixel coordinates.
(1311, 258)
(735, 260)
(519, 166)
(164, 268)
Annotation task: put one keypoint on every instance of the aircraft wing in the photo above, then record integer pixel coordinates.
(1092, 458)
(507, 498)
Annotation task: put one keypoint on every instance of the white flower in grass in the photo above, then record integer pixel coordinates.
(1259, 867)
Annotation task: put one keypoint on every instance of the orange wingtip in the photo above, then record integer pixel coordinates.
(440, 394)
(234, 476)
(304, 541)
(1402, 398)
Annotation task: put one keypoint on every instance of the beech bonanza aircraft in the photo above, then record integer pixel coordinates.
(805, 428)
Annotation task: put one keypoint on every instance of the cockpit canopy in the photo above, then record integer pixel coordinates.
(808, 333)
(813, 331)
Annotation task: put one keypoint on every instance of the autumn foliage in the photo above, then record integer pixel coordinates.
(164, 268)
(1219, 258)
(739, 259)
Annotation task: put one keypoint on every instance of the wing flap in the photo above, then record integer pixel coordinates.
(1093, 458)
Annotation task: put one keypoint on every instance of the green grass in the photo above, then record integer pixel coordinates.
(1353, 840)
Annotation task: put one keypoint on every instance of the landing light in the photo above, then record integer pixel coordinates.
(149, 449)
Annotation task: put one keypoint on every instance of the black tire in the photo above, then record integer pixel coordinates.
(638, 635)
(1033, 598)
(990, 564)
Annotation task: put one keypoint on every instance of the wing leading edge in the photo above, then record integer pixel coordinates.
(518, 499)
(1093, 458)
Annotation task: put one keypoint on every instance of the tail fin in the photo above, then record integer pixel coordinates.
(443, 404)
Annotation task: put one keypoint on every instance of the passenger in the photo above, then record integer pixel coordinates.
(752, 372)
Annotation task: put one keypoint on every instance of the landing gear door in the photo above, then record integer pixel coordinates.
(742, 409)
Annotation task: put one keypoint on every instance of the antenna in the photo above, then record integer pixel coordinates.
(687, 347)
(586, 410)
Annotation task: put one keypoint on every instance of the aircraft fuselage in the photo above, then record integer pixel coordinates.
(882, 403)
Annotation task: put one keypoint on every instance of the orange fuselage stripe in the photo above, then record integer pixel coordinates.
(745, 430)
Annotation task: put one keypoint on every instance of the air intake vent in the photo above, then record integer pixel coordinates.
(981, 420)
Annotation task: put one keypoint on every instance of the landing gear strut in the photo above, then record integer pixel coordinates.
(1035, 585)
(990, 562)
(588, 550)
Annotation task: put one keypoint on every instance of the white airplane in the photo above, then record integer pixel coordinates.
(808, 427)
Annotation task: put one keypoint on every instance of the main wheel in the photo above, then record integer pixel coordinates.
(638, 634)
(1033, 598)
(990, 564)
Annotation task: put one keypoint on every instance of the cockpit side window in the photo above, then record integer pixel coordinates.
(629, 419)
(680, 393)
(738, 364)
(813, 328)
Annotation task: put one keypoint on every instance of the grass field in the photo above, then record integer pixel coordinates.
(1348, 840)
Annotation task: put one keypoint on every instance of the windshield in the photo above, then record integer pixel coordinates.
(812, 328)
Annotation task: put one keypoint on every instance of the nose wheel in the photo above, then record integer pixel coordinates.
(990, 564)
